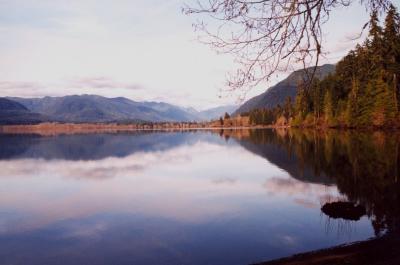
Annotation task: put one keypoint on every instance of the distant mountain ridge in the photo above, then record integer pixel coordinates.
(12, 112)
(286, 88)
(93, 108)
(216, 113)
(10, 105)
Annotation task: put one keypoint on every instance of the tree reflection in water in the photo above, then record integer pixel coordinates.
(363, 165)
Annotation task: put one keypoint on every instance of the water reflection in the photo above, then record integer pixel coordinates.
(229, 197)
(363, 165)
(94, 146)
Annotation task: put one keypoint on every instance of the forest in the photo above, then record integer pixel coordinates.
(363, 92)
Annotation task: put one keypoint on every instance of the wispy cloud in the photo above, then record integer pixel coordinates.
(304, 194)
(85, 85)
(101, 82)
(23, 89)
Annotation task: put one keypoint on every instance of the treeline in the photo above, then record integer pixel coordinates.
(363, 91)
(279, 114)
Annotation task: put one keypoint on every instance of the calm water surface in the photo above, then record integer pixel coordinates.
(229, 197)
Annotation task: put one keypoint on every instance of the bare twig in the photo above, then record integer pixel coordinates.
(267, 36)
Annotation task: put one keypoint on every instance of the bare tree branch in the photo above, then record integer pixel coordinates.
(267, 36)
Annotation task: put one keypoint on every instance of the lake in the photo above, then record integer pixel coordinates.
(194, 197)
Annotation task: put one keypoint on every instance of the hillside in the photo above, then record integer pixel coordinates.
(12, 112)
(92, 108)
(278, 93)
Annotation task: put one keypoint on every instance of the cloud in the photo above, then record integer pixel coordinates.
(101, 82)
(346, 44)
(288, 240)
(97, 84)
(83, 230)
(227, 181)
(306, 203)
(305, 194)
(23, 89)
(19, 85)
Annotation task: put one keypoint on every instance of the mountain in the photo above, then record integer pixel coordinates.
(212, 113)
(286, 88)
(12, 112)
(216, 113)
(175, 113)
(10, 105)
(93, 108)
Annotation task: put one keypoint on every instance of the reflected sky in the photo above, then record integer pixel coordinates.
(156, 198)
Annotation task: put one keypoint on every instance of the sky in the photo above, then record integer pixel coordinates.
(144, 50)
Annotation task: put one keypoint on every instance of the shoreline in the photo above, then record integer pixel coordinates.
(54, 128)
(375, 251)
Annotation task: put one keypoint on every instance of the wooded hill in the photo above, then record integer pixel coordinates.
(277, 94)
(362, 92)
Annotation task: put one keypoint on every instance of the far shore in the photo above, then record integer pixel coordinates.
(55, 128)
(83, 128)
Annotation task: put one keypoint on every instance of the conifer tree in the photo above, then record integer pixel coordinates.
(375, 46)
(384, 110)
(365, 105)
(328, 108)
(391, 36)
(352, 111)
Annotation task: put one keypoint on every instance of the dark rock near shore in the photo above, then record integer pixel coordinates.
(344, 210)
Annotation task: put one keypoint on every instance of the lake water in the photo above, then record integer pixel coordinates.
(199, 197)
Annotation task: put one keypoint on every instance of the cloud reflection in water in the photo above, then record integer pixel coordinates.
(188, 199)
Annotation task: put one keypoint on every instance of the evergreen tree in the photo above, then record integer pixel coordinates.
(375, 51)
(365, 105)
(391, 36)
(385, 108)
(328, 108)
(352, 111)
(288, 108)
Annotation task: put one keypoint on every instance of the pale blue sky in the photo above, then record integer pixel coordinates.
(143, 50)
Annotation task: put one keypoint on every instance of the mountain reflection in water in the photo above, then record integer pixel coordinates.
(205, 197)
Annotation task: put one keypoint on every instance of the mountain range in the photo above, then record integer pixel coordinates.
(12, 112)
(278, 93)
(93, 108)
